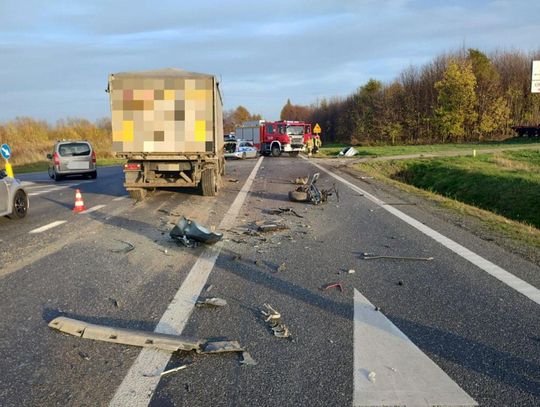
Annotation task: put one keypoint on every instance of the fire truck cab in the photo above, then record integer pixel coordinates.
(273, 138)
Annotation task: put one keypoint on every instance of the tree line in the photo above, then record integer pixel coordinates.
(461, 96)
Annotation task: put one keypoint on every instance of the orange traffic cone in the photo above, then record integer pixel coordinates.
(79, 203)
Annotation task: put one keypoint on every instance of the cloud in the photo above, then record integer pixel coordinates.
(56, 58)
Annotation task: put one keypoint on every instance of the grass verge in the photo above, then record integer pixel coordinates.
(502, 190)
(331, 150)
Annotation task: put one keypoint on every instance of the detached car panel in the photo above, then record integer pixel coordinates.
(72, 158)
(13, 198)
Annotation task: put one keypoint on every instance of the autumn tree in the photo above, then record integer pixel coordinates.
(456, 114)
(233, 118)
(294, 112)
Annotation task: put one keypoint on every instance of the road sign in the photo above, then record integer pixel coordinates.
(6, 151)
(317, 129)
(535, 83)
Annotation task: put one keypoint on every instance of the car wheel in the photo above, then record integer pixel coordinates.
(51, 173)
(20, 205)
(57, 177)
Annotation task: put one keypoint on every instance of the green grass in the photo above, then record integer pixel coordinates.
(43, 165)
(505, 183)
(331, 150)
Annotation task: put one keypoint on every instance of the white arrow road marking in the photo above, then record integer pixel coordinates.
(138, 385)
(499, 273)
(390, 370)
(48, 226)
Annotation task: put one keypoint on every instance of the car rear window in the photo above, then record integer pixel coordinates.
(74, 149)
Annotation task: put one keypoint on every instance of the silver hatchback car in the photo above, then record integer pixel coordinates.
(72, 158)
(13, 198)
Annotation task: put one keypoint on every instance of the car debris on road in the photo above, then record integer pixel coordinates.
(155, 340)
(311, 193)
(333, 285)
(211, 302)
(126, 249)
(273, 319)
(190, 234)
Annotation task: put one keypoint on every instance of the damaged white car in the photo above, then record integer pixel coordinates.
(13, 198)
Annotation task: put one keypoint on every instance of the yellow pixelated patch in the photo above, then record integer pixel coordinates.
(200, 130)
(168, 94)
(199, 94)
(127, 130)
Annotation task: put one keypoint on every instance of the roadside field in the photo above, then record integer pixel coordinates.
(331, 150)
(507, 184)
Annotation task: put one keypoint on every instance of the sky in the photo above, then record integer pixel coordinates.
(55, 56)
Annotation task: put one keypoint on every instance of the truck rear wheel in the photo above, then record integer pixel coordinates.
(276, 151)
(208, 183)
(137, 194)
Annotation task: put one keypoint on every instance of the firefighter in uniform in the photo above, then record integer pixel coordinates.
(309, 146)
(317, 144)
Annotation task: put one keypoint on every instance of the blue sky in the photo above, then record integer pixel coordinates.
(55, 56)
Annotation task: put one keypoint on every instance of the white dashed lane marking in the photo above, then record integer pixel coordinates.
(48, 226)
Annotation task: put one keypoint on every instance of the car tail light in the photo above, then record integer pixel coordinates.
(132, 167)
(93, 157)
(56, 159)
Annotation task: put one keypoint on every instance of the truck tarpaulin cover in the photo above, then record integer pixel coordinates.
(163, 111)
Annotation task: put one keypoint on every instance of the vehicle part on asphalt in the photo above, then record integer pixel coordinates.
(271, 227)
(282, 267)
(145, 339)
(351, 271)
(233, 180)
(273, 319)
(372, 376)
(220, 347)
(126, 249)
(247, 360)
(211, 302)
(190, 233)
(301, 181)
(333, 285)
(176, 369)
(310, 192)
(371, 256)
(348, 152)
(280, 211)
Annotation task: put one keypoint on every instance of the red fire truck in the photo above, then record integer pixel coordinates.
(273, 138)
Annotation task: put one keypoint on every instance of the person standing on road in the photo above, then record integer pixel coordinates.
(309, 145)
(317, 143)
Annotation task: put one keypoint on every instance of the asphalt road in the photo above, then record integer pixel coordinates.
(430, 332)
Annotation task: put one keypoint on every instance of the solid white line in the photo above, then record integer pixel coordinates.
(142, 379)
(499, 273)
(48, 226)
(390, 370)
(93, 209)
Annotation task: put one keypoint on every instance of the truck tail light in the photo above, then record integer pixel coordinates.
(93, 157)
(56, 159)
(132, 167)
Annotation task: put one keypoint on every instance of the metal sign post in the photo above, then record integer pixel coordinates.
(5, 150)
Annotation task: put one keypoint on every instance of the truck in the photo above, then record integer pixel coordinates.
(274, 138)
(168, 125)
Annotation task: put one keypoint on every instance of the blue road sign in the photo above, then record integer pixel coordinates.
(6, 151)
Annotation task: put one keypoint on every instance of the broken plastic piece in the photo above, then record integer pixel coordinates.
(371, 376)
(333, 285)
(176, 369)
(211, 302)
(247, 360)
(282, 267)
(171, 343)
(187, 232)
(271, 227)
(348, 152)
(221, 346)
